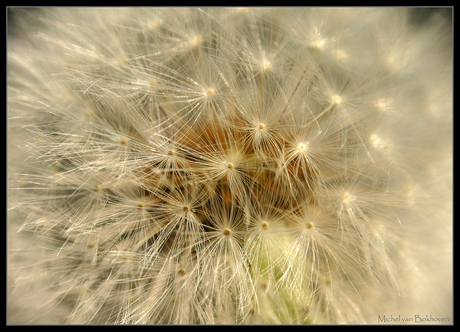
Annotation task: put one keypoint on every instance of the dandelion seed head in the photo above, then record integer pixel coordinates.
(227, 165)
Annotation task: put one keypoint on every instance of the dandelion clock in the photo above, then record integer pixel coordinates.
(229, 166)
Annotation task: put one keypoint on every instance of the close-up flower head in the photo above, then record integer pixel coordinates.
(224, 165)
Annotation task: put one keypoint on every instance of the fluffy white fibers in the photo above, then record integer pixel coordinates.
(229, 165)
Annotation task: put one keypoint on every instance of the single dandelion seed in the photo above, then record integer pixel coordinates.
(264, 225)
(347, 197)
(336, 99)
(242, 9)
(383, 103)
(341, 55)
(302, 147)
(377, 142)
(154, 24)
(89, 115)
(266, 65)
(320, 43)
(196, 41)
